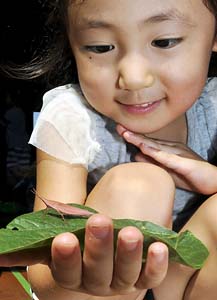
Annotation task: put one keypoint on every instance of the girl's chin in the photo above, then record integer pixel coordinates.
(136, 129)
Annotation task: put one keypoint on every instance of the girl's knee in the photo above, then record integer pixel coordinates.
(139, 191)
(141, 177)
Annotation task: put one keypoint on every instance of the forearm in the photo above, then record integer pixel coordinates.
(46, 288)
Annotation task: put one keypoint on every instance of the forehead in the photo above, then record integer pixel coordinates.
(110, 10)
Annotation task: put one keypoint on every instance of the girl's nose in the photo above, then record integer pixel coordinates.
(135, 74)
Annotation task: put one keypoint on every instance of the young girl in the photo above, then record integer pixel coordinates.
(142, 69)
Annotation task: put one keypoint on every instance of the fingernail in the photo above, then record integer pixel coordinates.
(127, 133)
(99, 232)
(160, 255)
(131, 245)
(67, 248)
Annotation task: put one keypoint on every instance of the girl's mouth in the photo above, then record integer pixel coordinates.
(141, 108)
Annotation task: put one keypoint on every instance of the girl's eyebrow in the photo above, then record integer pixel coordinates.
(89, 24)
(170, 15)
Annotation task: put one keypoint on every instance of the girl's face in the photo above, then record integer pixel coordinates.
(142, 63)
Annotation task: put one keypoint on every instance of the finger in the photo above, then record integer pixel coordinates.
(193, 173)
(66, 264)
(187, 173)
(98, 255)
(180, 165)
(140, 140)
(140, 157)
(25, 258)
(136, 139)
(156, 266)
(120, 129)
(128, 260)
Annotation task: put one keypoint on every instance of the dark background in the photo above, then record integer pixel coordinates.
(21, 30)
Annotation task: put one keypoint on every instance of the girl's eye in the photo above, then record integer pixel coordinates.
(99, 48)
(166, 43)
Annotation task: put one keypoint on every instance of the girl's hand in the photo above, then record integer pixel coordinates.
(188, 170)
(98, 271)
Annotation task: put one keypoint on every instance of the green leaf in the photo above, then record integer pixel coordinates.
(37, 229)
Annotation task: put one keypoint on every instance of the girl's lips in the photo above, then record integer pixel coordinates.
(141, 108)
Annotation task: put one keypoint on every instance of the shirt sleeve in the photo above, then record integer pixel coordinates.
(64, 128)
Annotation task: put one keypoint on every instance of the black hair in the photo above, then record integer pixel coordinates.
(54, 58)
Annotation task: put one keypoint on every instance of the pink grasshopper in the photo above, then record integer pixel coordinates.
(64, 209)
